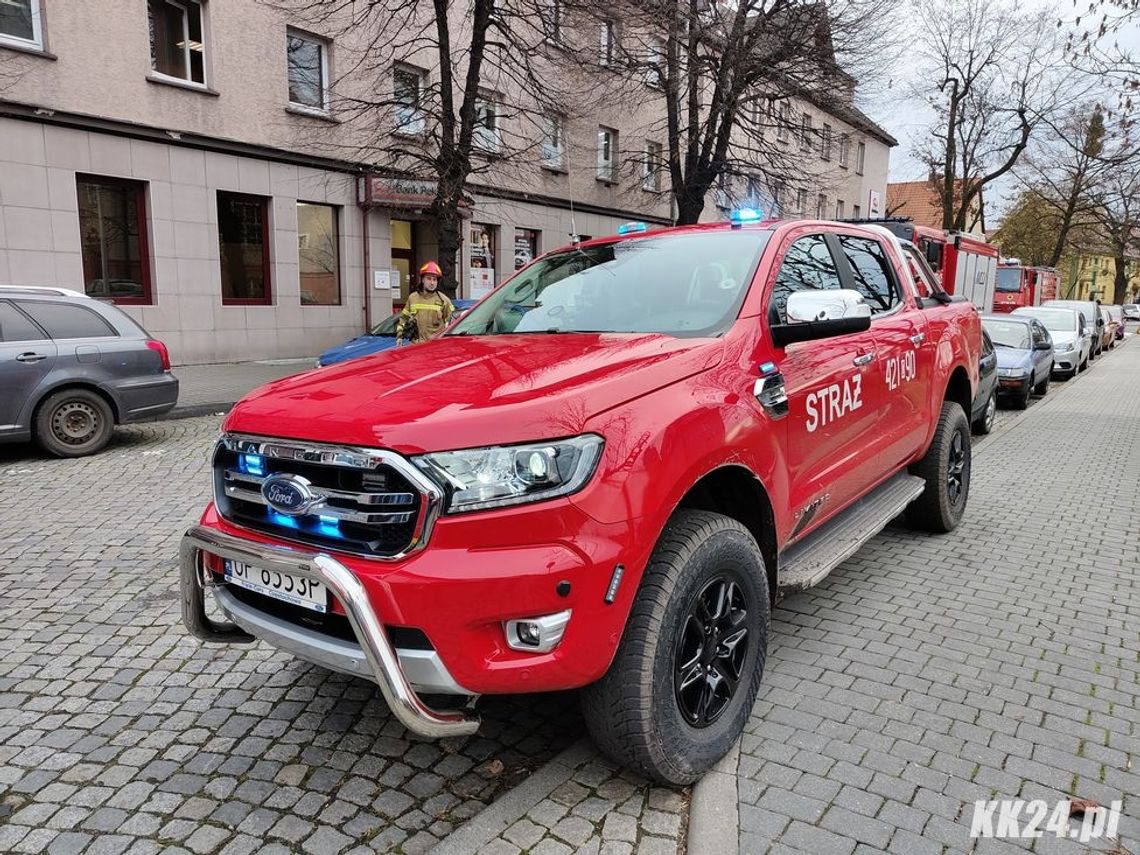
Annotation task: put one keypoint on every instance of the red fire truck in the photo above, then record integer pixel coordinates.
(967, 264)
(1018, 285)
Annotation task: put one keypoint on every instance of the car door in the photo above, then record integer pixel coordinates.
(27, 356)
(832, 398)
(904, 358)
(1042, 351)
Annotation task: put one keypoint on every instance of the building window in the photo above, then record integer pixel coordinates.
(651, 167)
(177, 48)
(801, 203)
(655, 63)
(860, 158)
(607, 154)
(243, 240)
(608, 43)
(308, 71)
(839, 212)
(552, 20)
(785, 123)
(407, 93)
(552, 143)
(777, 198)
(113, 239)
(20, 23)
(723, 197)
(821, 207)
(318, 251)
(805, 131)
(844, 150)
(825, 143)
(526, 247)
(856, 211)
(488, 133)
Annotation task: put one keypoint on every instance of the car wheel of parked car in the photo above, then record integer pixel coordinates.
(74, 422)
(1020, 401)
(946, 470)
(1043, 387)
(683, 681)
(985, 422)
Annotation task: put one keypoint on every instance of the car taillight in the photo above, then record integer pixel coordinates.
(160, 348)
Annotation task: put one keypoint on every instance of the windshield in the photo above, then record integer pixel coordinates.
(1008, 333)
(1086, 309)
(676, 284)
(1055, 320)
(387, 327)
(1009, 279)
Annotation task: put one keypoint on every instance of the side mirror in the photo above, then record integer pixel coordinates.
(934, 254)
(822, 314)
(1043, 345)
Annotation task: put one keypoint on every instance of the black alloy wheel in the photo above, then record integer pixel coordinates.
(955, 470)
(711, 651)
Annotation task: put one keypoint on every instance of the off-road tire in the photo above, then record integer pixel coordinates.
(935, 510)
(1043, 387)
(74, 423)
(634, 712)
(985, 422)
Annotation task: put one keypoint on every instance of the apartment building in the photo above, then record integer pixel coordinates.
(206, 174)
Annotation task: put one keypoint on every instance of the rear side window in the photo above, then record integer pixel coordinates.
(66, 320)
(807, 266)
(873, 274)
(14, 326)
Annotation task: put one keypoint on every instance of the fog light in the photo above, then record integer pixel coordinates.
(537, 635)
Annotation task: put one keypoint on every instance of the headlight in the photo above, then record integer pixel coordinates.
(482, 478)
(1011, 372)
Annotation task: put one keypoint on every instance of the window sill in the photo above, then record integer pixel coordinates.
(29, 49)
(175, 82)
(555, 170)
(311, 113)
(417, 136)
(237, 303)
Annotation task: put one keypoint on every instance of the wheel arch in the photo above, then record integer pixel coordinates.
(73, 384)
(959, 390)
(738, 493)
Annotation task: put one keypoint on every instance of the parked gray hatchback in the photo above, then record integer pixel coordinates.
(72, 367)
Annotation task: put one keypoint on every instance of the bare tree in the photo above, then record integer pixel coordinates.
(999, 74)
(422, 86)
(1119, 219)
(723, 77)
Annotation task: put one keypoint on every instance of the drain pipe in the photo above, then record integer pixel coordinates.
(367, 213)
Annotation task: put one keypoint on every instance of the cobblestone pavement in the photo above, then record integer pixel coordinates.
(999, 661)
(120, 733)
(200, 386)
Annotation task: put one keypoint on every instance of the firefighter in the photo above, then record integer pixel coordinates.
(427, 310)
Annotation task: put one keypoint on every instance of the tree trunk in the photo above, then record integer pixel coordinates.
(449, 224)
(1120, 286)
(690, 205)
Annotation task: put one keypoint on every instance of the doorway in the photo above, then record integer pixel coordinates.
(403, 258)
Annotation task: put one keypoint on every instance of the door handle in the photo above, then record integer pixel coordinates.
(863, 359)
(31, 357)
(918, 338)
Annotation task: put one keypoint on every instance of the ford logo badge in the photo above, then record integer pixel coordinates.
(289, 494)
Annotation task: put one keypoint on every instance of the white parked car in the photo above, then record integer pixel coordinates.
(1131, 312)
(1072, 339)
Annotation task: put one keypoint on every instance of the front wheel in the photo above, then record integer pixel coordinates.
(985, 422)
(946, 470)
(685, 676)
(1043, 387)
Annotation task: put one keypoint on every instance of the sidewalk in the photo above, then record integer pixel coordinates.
(205, 389)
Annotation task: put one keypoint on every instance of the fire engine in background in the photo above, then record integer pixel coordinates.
(967, 264)
(1019, 286)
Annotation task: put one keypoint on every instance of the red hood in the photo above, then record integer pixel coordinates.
(459, 392)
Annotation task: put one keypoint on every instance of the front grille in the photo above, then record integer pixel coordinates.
(354, 500)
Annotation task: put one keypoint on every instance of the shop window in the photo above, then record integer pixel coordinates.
(526, 247)
(308, 71)
(318, 251)
(177, 47)
(481, 276)
(113, 239)
(20, 24)
(243, 241)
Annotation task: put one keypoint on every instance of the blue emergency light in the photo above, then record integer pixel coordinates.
(252, 464)
(746, 215)
(632, 228)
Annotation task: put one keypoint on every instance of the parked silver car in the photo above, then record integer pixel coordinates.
(1093, 318)
(1072, 340)
(71, 368)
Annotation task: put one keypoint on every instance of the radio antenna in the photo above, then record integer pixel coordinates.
(570, 184)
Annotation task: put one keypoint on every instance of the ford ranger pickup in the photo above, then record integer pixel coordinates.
(602, 477)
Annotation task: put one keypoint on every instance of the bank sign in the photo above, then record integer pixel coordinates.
(413, 195)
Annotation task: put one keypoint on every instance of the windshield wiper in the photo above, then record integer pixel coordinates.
(1003, 344)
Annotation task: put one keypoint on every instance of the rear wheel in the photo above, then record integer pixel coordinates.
(946, 470)
(685, 676)
(74, 422)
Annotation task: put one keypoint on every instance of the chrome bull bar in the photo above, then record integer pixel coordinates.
(381, 656)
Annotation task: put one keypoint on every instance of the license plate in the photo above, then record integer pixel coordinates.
(296, 590)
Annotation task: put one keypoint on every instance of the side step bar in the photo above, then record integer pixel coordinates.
(807, 562)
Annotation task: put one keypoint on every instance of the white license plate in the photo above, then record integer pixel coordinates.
(296, 590)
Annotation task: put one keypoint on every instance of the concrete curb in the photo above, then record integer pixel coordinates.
(501, 814)
(191, 411)
(714, 821)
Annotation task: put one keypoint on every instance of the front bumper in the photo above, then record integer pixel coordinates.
(1013, 387)
(376, 650)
